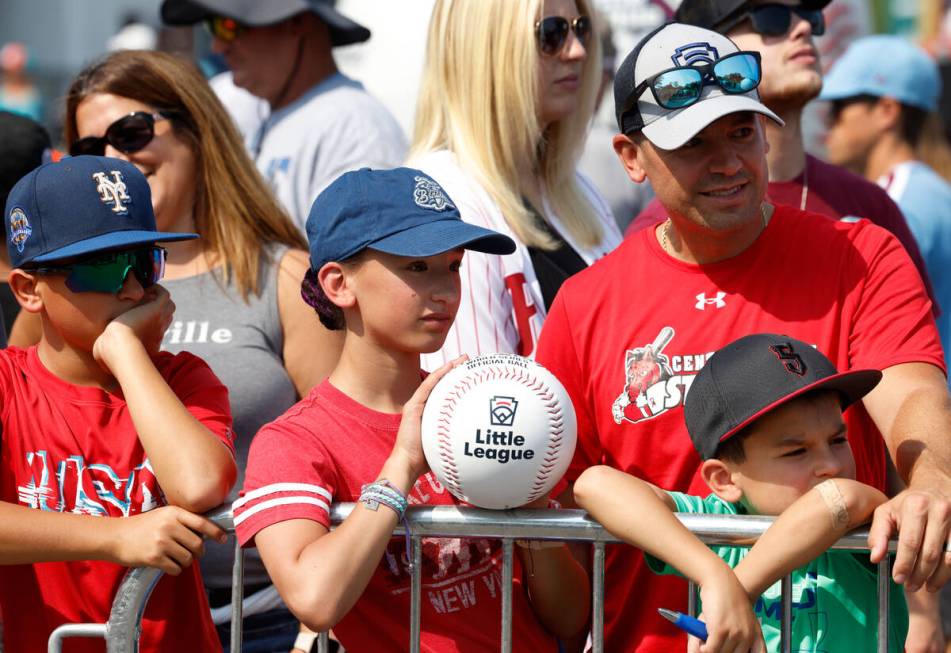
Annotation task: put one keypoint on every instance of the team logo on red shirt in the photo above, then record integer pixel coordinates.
(654, 382)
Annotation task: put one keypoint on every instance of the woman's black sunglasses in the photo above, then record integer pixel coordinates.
(128, 134)
(552, 32)
(775, 19)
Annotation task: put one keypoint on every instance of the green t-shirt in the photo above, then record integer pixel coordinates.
(834, 597)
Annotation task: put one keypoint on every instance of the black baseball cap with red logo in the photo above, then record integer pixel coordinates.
(757, 374)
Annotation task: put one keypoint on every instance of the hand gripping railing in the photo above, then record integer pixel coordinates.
(121, 632)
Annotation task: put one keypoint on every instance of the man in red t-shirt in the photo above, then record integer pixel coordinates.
(792, 78)
(627, 336)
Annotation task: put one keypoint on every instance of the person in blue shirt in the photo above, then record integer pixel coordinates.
(882, 91)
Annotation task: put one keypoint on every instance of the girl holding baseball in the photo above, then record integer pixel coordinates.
(385, 252)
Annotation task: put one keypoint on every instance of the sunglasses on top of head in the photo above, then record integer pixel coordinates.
(107, 272)
(676, 88)
(128, 134)
(775, 19)
(552, 32)
(224, 28)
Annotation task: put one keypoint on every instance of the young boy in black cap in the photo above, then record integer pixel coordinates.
(96, 422)
(765, 415)
(385, 251)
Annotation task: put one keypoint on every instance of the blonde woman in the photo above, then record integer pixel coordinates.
(507, 93)
(236, 289)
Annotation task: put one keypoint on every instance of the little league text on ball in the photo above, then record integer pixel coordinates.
(502, 446)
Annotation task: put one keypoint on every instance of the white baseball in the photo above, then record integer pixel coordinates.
(499, 431)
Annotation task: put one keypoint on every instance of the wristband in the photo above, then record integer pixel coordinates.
(305, 641)
(382, 491)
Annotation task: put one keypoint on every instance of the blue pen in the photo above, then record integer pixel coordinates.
(686, 623)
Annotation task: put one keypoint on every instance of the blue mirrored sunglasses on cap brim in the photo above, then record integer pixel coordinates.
(107, 272)
(676, 88)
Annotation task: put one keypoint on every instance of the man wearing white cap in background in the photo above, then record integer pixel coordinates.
(317, 123)
(882, 91)
(628, 335)
(783, 34)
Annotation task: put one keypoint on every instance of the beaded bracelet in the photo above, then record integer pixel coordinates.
(382, 491)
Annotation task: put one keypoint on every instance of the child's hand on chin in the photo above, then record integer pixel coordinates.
(146, 321)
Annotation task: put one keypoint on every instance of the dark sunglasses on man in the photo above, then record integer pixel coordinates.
(224, 28)
(128, 134)
(107, 272)
(552, 33)
(775, 19)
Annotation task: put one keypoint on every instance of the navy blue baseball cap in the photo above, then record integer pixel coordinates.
(79, 206)
(757, 374)
(400, 211)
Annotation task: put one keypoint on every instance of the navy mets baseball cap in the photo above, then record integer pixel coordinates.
(400, 211)
(79, 206)
(757, 374)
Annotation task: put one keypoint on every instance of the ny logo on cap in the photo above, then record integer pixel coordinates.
(791, 360)
(429, 195)
(693, 54)
(112, 191)
(20, 229)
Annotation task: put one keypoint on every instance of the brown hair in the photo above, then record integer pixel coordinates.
(235, 212)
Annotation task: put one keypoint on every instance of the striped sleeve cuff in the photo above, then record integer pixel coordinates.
(279, 502)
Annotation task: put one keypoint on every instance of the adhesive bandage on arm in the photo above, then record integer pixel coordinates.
(835, 502)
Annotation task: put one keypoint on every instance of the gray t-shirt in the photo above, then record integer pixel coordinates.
(243, 345)
(334, 127)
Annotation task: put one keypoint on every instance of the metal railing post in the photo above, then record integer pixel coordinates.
(237, 598)
(597, 598)
(884, 587)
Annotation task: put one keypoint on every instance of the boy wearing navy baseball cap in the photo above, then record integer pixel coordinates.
(765, 416)
(386, 248)
(97, 423)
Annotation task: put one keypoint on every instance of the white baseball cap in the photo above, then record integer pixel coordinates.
(677, 45)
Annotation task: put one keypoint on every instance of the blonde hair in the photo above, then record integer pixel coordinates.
(478, 99)
(235, 212)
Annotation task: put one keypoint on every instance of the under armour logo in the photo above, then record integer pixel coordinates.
(693, 54)
(429, 195)
(112, 191)
(703, 302)
(791, 360)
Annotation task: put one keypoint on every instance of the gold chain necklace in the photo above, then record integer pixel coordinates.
(665, 243)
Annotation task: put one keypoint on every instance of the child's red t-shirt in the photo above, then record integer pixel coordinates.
(66, 448)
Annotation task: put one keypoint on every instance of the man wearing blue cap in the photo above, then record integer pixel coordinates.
(882, 91)
(97, 423)
(304, 122)
(385, 252)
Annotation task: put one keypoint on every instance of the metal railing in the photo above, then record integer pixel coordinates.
(121, 632)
